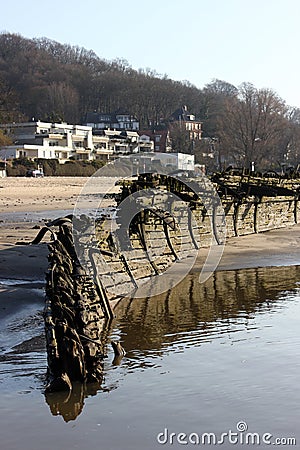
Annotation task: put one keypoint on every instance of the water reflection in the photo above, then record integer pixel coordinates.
(192, 313)
(189, 315)
(70, 404)
(229, 306)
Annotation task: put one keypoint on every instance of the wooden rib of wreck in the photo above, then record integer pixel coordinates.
(74, 316)
(79, 307)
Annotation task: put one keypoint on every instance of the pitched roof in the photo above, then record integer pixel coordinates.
(182, 114)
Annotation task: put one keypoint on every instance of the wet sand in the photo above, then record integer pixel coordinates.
(279, 247)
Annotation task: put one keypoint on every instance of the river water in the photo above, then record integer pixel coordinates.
(201, 358)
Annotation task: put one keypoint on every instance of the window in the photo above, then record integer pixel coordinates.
(157, 138)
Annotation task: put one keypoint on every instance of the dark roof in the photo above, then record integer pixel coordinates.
(33, 141)
(95, 117)
(181, 114)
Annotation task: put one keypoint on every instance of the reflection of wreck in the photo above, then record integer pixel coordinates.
(89, 275)
(191, 314)
(69, 403)
(186, 316)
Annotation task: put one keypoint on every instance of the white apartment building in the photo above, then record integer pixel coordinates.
(54, 141)
(61, 141)
(119, 120)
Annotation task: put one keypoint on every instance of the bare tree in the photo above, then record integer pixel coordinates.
(62, 102)
(252, 125)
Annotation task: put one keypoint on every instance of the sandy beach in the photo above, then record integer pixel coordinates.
(28, 194)
(22, 194)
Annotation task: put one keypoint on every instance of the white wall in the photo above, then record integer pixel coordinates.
(181, 161)
(186, 162)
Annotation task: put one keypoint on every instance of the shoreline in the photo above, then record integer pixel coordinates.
(274, 248)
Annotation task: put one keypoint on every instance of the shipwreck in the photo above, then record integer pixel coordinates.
(160, 221)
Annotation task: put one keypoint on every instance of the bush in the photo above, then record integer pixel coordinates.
(18, 171)
(51, 167)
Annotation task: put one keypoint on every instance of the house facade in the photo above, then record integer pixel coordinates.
(173, 162)
(61, 141)
(47, 140)
(177, 161)
(186, 121)
(119, 120)
(160, 138)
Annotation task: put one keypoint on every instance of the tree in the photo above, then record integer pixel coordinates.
(215, 96)
(9, 104)
(4, 140)
(180, 138)
(62, 102)
(289, 149)
(252, 125)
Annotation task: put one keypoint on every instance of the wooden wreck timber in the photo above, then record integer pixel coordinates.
(74, 316)
(81, 293)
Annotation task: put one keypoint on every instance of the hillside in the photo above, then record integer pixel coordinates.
(46, 80)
